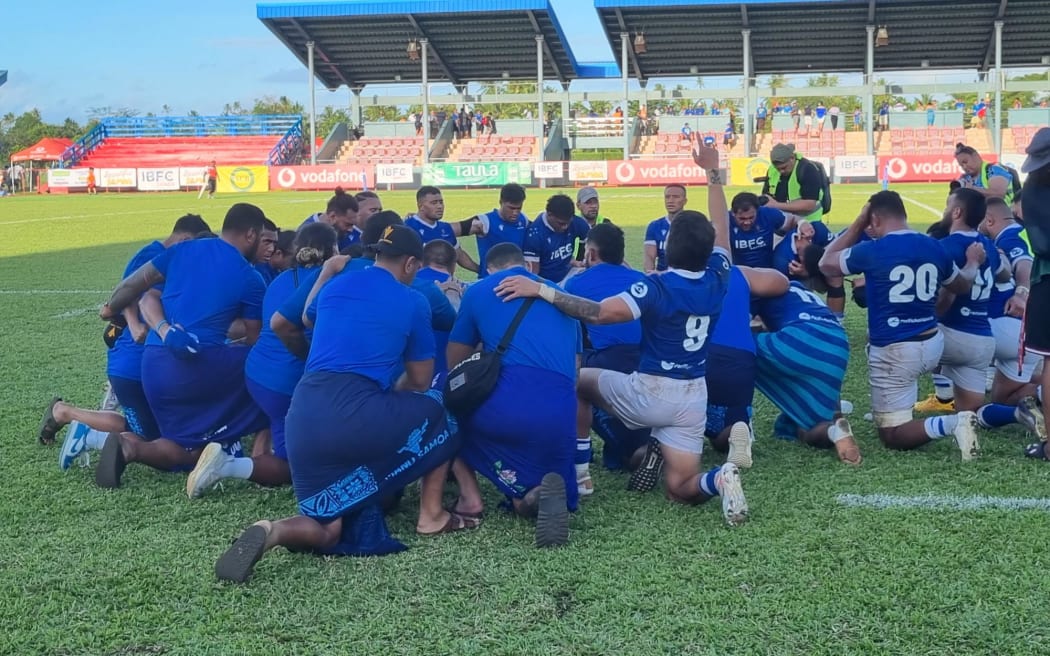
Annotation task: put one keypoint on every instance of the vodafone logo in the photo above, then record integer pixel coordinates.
(286, 178)
(896, 168)
(624, 172)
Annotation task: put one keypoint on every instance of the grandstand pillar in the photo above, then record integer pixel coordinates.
(998, 118)
(539, 93)
(313, 102)
(869, 96)
(747, 91)
(625, 42)
(355, 106)
(424, 46)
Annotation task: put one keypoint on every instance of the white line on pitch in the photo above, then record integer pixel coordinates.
(35, 292)
(69, 314)
(924, 206)
(942, 502)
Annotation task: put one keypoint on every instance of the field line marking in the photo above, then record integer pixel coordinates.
(931, 210)
(942, 502)
(34, 292)
(69, 314)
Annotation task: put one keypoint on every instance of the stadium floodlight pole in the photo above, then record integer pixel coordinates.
(869, 98)
(747, 91)
(426, 101)
(539, 104)
(998, 89)
(625, 40)
(313, 102)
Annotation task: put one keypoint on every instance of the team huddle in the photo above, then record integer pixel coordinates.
(339, 345)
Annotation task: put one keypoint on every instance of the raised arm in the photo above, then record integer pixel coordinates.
(830, 264)
(707, 159)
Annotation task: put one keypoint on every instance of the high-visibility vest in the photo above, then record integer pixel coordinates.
(795, 189)
(1009, 196)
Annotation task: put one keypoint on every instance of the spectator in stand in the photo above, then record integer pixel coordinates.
(1017, 103)
(796, 114)
(858, 119)
(822, 113)
(760, 117)
(931, 114)
(491, 124)
(884, 117)
(834, 112)
(729, 137)
(687, 132)
(807, 119)
(959, 105)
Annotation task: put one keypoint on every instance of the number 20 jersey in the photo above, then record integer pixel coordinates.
(679, 310)
(903, 271)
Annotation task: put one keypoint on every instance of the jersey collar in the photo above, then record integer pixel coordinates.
(691, 275)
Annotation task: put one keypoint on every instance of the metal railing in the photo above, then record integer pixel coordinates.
(289, 150)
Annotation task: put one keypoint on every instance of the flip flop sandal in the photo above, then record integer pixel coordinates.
(456, 522)
(1036, 451)
(467, 515)
(48, 426)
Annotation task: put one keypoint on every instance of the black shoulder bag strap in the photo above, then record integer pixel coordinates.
(513, 327)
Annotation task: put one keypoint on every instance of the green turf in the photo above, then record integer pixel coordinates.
(86, 571)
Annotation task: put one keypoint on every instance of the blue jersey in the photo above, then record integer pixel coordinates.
(369, 324)
(207, 284)
(786, 251)
(497, 231)
(267, 272)
(546, 338)
(754, 247)
(598, 283)
(345, 241)
(269, 363)
(903, 272)
(125, 358)
(733, 329)
(426, 274)
(1010, 243)
(554, 251)
(798, 306)
(969, 312)
(656, 235)
(678, 310)
(439, 230)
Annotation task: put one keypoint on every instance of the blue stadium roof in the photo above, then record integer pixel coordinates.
(3, 77)
(358, 43)
(703, 37)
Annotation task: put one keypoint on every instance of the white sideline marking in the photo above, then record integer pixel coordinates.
(69, 314)
(924, 206)
(172, 210)
(942, 502)
(35, 292)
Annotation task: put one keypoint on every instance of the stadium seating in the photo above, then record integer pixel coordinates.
(384, 150)
(925, 141)
(141, 152)
(494, 147)
(827, 143)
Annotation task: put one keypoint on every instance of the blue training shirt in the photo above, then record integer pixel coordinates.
(679, 309)
(345, 241)
(903, 271)
(369, 324)
(598, 283)
(269, 363)
(498, 231)
(969, 312)
(207, 284)
(439, 230)
(267, 272)
(733, 329)
(125, 358)
(798, 306)
(546, 338)
(554, 251)
(440, 336)
(656, 235)
(754, 247)
(1016, 250)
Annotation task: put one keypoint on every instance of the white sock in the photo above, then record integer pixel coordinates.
(943, 426)
(835, 433)
(942, 387)
(238, 468)
(94, 440)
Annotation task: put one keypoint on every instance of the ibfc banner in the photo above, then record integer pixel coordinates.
(322, 177)
(241, 179)
(166, 179)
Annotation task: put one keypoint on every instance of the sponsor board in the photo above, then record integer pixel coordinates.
(919, 168)
(67, 177)
(655, 172)
(594, 171)
(854, 166)
(320, 177)
(394, 173)
(477, 174)
(242, 179)
(744, 170)
(192, 176)
(114, 178)
(166, 179)
(548, 170)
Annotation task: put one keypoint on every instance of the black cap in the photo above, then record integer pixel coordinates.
(399, 240)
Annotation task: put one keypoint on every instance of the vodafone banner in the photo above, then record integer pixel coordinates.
(329, 176)
(589, 171)
(113, 178)
(920, 168)
(393, 173)
(158, 179)
(548, 170)
(854, 166)
(655, 172)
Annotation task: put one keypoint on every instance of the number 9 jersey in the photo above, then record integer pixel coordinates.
(969, 312)
(903, 271)
(679, 310)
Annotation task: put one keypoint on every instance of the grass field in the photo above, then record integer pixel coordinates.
(88, 571)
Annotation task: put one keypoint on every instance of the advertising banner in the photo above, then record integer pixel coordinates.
(114, 178)
(393, 173)
(920, 168)
(320, 177)
(744, 170)
(477, 174)
(655, 172)
(854, 166)
(589, 171)
(548, 170)
(158, 179)
(242, 179)
(67, 177)
(191, 176)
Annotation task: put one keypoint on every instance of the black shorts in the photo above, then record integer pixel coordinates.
(621, 357)
(1037, 319)
(730, 387)
(211, 185)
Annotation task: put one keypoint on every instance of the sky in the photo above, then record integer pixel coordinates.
(141, 55)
